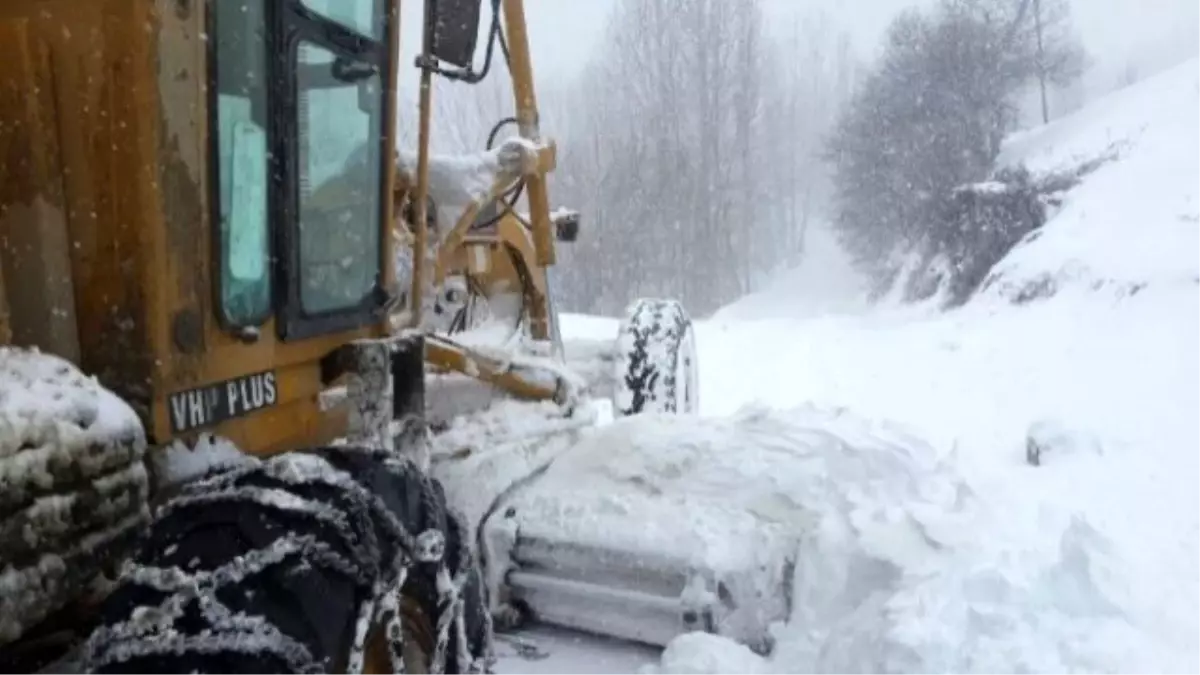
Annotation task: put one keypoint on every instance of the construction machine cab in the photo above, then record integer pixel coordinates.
(196, 208)
(201, 191)
(204, 192)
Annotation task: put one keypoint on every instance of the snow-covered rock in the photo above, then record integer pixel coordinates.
(1050, 439)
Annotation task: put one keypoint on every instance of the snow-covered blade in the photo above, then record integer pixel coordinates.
(655, 526)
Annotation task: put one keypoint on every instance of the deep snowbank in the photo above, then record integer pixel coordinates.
(901, 567)
(1119, 379)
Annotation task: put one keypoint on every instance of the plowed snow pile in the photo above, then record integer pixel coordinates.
(1089, 561)
(899, 566)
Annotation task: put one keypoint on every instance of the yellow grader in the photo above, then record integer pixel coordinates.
(226, 303)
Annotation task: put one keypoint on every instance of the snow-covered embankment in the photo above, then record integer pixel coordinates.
(1084, 342)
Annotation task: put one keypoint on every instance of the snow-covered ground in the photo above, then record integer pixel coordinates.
(1090, 561)
(1119, 378)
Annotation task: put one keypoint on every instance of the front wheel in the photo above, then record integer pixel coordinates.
(290, 564)
(656, 360)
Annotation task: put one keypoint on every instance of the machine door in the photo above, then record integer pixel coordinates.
(301, 139)
(334, 72)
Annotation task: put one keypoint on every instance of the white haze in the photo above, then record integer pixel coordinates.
(1150, 34)
(1125, 40)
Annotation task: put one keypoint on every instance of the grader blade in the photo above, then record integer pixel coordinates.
(648, 594)
(586, 525)
(567, 540)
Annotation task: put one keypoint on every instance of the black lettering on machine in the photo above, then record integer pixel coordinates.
(215, 403)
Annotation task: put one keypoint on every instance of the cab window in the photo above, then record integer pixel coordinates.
(362, 16)
(340, 125)
(240, 77)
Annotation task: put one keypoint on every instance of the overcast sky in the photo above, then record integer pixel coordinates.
(564, 33)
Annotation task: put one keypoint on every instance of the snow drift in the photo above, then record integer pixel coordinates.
(900, 567)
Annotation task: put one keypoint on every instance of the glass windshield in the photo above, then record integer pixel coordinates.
(363, 16)
(340, 122)
(244, 260)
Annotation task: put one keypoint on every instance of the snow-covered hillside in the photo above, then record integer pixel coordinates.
(1133, 222)
(1089, 561)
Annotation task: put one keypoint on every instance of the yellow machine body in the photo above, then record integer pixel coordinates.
(117, 119)
(112, 118)
(200, 206)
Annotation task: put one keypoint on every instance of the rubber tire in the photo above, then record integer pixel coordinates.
(421, 592)
(92, 486)
(305, 602)
(656, 368)
(420, 597)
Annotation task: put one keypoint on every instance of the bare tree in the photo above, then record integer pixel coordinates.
(689, 143)
(927, 124)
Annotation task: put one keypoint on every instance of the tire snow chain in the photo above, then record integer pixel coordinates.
(643, 373)
(150, 630)
(638, 377)
(73, 499)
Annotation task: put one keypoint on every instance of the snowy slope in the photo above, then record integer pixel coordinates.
(1103, 367)
(974, 384)
(1133, 221)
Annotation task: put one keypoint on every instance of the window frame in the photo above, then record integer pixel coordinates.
(287, 23)
(304, 6)
(213, 147)
(297, 23)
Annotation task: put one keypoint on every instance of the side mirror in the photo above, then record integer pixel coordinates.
(453, 26)
(566, 225)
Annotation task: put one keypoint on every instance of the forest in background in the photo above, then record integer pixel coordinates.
(690, 144)
(700, 142)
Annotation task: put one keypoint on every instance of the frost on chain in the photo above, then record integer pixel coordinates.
(73, 488)
(230, 560)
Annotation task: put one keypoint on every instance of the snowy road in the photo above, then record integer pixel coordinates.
(556, 651)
